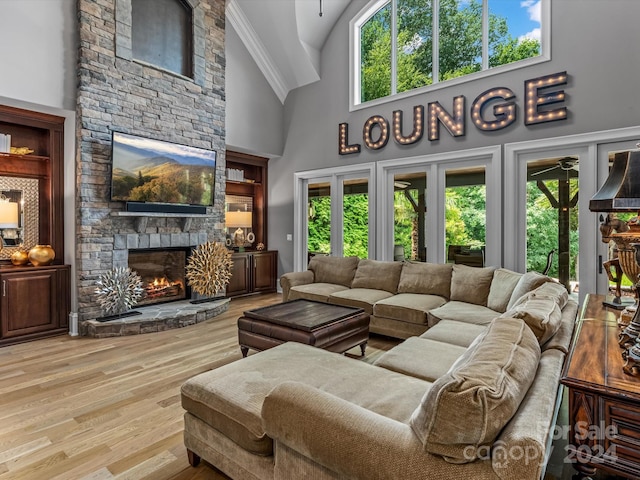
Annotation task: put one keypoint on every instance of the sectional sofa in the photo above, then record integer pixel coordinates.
(404, 299)
(467, 398)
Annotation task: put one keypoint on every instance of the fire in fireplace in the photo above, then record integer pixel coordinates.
(162, 272)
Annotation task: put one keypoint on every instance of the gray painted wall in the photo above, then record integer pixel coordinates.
(38, 43)
(254, 113)
(594, 41)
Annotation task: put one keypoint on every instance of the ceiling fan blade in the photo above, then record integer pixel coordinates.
(545, 170)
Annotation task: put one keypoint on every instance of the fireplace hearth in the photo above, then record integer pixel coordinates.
(163, 274)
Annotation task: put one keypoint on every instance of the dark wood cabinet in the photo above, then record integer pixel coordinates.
(34, 302)
(253, 272)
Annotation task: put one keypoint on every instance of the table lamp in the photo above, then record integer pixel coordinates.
(8, 215)
(239, 220)
(621, 193)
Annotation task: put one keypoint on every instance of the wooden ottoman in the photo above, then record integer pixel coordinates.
(331, 327)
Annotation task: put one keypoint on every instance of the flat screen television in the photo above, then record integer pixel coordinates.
(157, 176)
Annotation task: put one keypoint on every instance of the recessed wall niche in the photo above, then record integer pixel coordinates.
(28, 213)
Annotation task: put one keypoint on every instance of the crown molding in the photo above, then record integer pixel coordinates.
(257, 50)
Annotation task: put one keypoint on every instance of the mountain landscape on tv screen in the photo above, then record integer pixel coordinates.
(143, 175)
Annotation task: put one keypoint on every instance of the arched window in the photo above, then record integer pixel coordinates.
(403, 45)
(162, 33)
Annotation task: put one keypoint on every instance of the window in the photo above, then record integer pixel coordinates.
(403, 45)
(161, 34)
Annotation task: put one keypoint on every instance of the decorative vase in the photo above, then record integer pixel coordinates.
(19, 257)
(41, 255)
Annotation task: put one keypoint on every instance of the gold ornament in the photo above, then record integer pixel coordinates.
(209, 268)
(19, 257)
(21, 150)
(41, 255)
(260, 246)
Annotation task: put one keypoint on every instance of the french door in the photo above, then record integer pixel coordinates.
(440, 208)
(334, 213)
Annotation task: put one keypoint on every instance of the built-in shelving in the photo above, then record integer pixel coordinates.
(35, 301)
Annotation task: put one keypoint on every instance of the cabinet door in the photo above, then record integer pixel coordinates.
(239, 284)
(28, 302)
(264, 271)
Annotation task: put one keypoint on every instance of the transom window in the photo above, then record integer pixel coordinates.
(403, 45)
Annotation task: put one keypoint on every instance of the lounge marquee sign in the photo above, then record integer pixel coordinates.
(541, 97)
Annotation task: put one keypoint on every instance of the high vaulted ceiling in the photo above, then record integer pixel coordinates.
(285, 37)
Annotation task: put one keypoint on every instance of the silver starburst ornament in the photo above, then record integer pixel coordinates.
(119, 290)
(209, 268)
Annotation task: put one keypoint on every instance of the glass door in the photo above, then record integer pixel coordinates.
(355, 217)
(334, 213)
(465, 216)
(552, 217)
(442, 207)
(409, 216)
(318, 218)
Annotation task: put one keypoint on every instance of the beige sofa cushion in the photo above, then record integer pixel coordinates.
(363, 298)
(338, 270)
(377, 275)
(466, 408)
(407, 307)
(429, 278)
(421, 358)
(552, 290)
(542, 315)
(319, 292)
(461, 312)
(529, 281)
(471, 284)
(453, 332)
(502, 285)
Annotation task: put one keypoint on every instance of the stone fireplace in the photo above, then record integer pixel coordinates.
(116, 92)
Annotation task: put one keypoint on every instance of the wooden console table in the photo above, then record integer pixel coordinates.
(604, 402)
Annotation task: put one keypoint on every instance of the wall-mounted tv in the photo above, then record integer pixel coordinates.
(157, 176)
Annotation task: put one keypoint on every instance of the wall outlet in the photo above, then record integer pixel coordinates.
(289, 237)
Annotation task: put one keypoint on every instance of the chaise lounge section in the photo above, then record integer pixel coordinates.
(464, 399)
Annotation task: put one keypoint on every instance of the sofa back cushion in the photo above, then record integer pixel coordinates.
(502, 285)
(471, 284)
(541, 310)
(466, 408)
(552, 290)
(378, 275)
(529, 281)
(338, 270)
(426, 278)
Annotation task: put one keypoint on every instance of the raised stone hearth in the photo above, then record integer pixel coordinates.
(156, 318)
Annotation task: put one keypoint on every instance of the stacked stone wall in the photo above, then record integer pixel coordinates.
(118, 93)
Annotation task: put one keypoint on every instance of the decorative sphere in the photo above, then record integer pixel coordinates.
(41, 255)
(19, 257)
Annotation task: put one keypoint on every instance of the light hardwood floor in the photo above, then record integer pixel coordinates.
(85, 408)
(95, 409)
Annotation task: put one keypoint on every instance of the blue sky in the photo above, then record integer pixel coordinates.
(523, 16)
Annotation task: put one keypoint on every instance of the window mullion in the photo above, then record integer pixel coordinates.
(485, 35)
(394, 47)
(435, 40)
